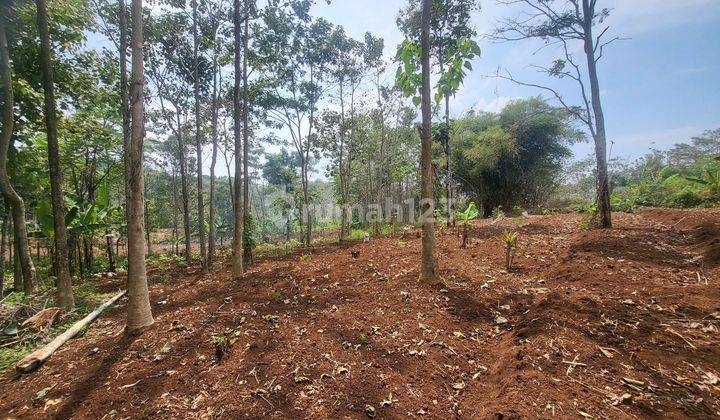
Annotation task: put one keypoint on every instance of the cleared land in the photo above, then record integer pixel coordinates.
(606, 323)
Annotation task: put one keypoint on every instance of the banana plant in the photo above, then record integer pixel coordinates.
(471, 212)
(709, 177)
(510, 239)
(83, 218)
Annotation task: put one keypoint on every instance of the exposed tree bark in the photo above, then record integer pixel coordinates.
(17, 268)
(65, 297)
(148, 231)
(3, 248)
(79, 254)
(247, 249)
(124, 94)
(603, 189)
(185, 194)
(110, 253)
(237, 260)
(448, 170)
(11, 196)
(342, 173)
(429, 265)
(176, 245)
(198, 140)
(212, 234)
(139, 312)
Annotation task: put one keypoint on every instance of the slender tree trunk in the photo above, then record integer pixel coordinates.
(11, 242)
(89, 240)
(198, 141)
(184, 190)
(72, 267)
(306, 201)
(11, 197)
(237, 262)
(3, 249)
(139, 312)
(448, 171)
(124, 94)
(148, 237)
(247, 217)
(88, 251)
(603, 189)
(17, 269)
(176, 245)
(429, 266)
(110, 254)
(231, 185)
(212, 235)
(341, 168)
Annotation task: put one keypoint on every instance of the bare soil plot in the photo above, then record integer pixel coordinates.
(614, 323)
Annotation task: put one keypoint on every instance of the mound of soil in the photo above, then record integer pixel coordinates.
(615, 323)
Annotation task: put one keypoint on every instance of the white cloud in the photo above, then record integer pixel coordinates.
(495, 104)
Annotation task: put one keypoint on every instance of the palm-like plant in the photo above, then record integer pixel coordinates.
(471, 212)
(510, 239)
(709, 177)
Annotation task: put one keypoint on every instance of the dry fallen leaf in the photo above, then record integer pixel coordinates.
(458, 385)
(51, 402)
(606, 353)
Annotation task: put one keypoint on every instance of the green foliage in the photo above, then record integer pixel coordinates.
(452, 47)
(458, 60)
(471, 212)
(357, 234)
(514, 157)
(510, 240)
(686, 175)
(408, 76)
(249, 231)
(497, 212)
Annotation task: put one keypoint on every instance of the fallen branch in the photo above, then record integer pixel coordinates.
(39, 356)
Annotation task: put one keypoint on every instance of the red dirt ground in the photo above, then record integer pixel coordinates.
(619, 323)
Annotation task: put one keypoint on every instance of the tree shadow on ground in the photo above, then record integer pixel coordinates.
(98, 377)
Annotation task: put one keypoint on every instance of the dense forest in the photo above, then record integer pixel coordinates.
(146, 143)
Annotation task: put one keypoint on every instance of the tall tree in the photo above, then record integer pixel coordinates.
(65, 297)
(564, 22)
(124, 93)
(296, 52)
(452, 46)
(3, 247)
(212, 233)
(429, 266)
(247, 217)
(168, 69)
(22, 249)
(237, 260)
(198, 137)
(139, 312)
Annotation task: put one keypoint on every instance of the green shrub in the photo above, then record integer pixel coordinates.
(687, 197)
(497, 212)
(358, 234)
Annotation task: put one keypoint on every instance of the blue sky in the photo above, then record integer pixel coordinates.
(659, 87)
